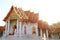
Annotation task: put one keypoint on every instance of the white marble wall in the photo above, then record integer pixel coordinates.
(29, 28)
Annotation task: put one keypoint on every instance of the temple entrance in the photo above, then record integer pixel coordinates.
(12, 27)
(13, 30)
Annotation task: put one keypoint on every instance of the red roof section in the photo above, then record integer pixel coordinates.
(42, 25)
(32, 17)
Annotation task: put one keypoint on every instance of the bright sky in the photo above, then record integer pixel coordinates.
(49, 10)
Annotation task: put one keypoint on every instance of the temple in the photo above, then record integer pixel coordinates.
(19, 22)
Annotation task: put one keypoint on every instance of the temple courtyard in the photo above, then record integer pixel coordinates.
(25, 37)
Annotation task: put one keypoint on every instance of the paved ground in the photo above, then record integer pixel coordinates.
(25, 37)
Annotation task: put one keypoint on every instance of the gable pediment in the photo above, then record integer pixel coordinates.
(15, 13)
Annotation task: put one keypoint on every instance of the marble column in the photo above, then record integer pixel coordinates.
(8, 26)
(23, 29)
(5, 32)
(17, 28)
(47, 33)
(36, 30)
(41, 33)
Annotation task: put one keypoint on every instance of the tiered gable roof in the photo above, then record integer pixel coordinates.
(27, 16)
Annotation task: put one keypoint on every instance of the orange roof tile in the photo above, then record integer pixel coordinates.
(31, 16)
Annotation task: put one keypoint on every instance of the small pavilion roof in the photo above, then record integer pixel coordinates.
(54, 30)
(42, 24)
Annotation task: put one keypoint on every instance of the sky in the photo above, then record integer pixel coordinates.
(49, 10)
